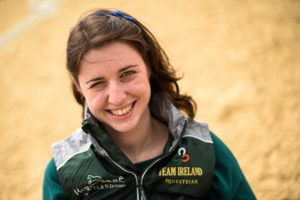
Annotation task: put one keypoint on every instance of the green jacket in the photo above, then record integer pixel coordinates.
(89, 166)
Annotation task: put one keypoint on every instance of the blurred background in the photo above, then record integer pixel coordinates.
(240, 61)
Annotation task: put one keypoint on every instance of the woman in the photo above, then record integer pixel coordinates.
(138, 139)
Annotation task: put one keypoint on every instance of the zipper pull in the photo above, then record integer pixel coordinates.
(142, 193)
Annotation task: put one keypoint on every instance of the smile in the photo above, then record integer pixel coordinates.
(122, 111)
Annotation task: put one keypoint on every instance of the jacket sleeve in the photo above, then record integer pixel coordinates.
(52, 189)
(229, 181)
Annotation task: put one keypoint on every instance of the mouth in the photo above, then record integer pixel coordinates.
(121, 111)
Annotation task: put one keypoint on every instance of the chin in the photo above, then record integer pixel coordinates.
(122, 128)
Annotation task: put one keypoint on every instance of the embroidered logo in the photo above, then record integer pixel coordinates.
(181, 173)
(182, 156)
(99, 183)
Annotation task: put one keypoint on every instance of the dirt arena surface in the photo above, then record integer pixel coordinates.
(240, 60)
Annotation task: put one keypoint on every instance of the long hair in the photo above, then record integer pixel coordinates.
(102, 26)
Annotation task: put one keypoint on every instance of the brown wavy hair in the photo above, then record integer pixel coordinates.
(99, 27)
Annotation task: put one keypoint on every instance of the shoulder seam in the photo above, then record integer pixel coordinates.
(71, 156)
(198, 138)
(199, 131)
(78, 142)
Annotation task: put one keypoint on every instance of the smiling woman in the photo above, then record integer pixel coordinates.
(138, 128)
(115, 83)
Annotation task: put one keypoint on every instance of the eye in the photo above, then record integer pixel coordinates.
(97, 84)
(128, 74)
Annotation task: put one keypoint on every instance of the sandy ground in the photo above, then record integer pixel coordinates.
(240, 60)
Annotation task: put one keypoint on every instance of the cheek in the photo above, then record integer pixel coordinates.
(95, 101)
(141, 89)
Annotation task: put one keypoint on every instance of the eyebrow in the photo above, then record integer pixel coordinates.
(127, 67)
(95, 79)
(120, 71)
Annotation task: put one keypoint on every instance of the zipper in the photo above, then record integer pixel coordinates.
(140, 192)
(159, 159)
(130, 172)
(97, 146)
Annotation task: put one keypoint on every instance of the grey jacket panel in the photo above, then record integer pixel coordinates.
(198, 130)
(76, 143)
(165, 110)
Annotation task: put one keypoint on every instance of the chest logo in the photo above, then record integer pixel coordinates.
(182, 156)
(181, 173)
(99, 183)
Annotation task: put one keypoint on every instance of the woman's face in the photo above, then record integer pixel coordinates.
(115, 83)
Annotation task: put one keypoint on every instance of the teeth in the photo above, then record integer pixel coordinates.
(123, 111)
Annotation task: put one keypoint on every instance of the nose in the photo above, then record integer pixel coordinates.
(116, 94)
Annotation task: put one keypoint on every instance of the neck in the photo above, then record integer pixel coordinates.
(144, 142)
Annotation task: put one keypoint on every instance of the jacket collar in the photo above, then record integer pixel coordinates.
(163, 109)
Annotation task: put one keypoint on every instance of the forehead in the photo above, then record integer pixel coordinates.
(112, 51)
(110, 57)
